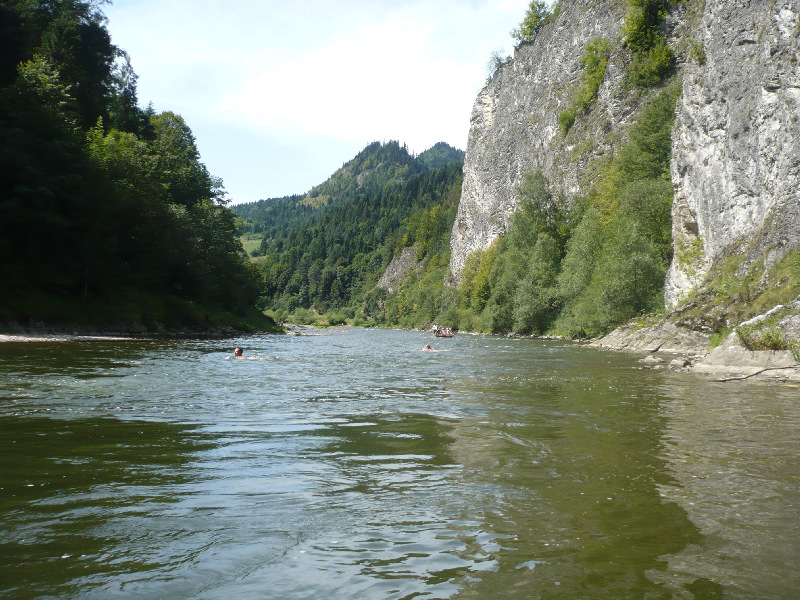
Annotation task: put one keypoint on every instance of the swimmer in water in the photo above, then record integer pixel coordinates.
(428, 348)
(237, 353)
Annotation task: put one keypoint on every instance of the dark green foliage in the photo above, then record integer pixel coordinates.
(328, 254)
(274, 215)
(594, 61)
(94, 216)
(649, 203)
(422, 298)
(513, 285)
(653, 60)
(647, 154)
(536, 300)
(651, 67)
(643, 23)
(375, 167)
(567, 119)
(618, 256)
(439, 155)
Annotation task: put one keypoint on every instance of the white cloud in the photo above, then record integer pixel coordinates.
(383, 82)
(354, 70)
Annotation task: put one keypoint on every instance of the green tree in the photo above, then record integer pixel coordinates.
(536, 17)
(653, 60)
(536, 300)
(185, 178)
(106, 212)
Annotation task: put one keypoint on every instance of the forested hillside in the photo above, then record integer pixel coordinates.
(107, 215)
(575, 267)
(326, 251)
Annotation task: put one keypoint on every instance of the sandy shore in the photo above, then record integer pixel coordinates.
(65, 337)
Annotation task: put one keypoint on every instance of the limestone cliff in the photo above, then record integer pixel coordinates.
(736, 141)
(514, 124)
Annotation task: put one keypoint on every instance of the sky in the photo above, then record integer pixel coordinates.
(281, 93)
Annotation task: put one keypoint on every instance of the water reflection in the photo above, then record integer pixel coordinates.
(376, 522)
(733, 457)
(573, 470)
(354, 465)
(86, 501)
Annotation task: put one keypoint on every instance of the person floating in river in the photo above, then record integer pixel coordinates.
(238, 353)
(428, 348)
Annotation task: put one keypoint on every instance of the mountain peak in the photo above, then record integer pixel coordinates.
(378, 165)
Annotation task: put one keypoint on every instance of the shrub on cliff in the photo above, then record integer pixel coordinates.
(653, 60)
(594, 61)
(535, 18)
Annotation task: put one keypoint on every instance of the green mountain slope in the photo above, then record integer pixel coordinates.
(439, 155)
(327, 249)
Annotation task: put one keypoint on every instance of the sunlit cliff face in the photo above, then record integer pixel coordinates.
(735, 163)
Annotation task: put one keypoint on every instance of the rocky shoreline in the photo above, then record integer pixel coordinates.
(668, 346)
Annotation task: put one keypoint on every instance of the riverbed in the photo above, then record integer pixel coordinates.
(352, 464)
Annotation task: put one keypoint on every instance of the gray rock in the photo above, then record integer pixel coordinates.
(762, 318)
(514, 124)
(399, 267)
(730, 360)
(650, 359)
(662, 337)
(736, 140)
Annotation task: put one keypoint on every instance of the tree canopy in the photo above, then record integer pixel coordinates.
(107, 214)
(535, 18)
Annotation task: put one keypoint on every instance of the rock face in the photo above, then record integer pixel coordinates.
(514, 125)
(664, 337)
(736, 141)
(400, 266)
(733, 361)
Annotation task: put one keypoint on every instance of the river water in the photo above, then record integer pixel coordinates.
(350, 464)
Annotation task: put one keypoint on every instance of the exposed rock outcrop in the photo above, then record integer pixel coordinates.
(400, 266)
(735, 157)
(731, 360)
(663, 337)
(736, 141)
(514, 125)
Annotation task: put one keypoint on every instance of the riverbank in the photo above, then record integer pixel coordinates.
(668, 346)
(41, 332)
(56, 337)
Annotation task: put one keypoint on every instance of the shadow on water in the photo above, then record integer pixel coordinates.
(82, 500)
(574, 466)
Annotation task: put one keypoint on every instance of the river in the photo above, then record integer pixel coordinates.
(351, 464)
